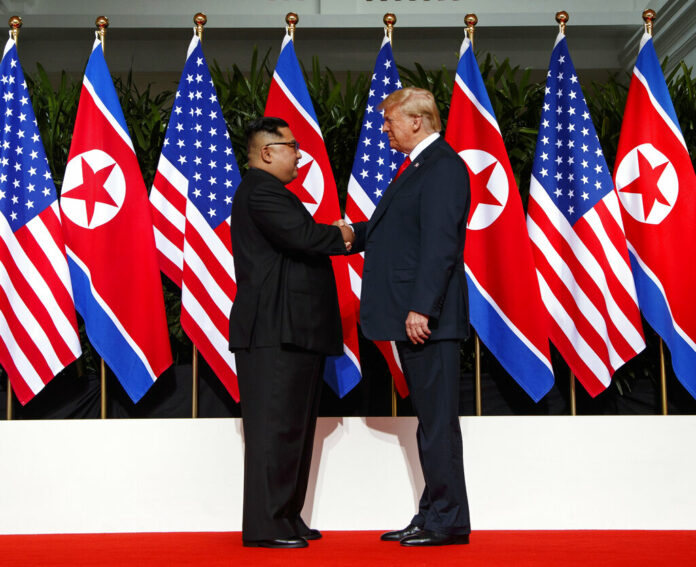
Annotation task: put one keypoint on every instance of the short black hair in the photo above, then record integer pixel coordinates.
(268, 124)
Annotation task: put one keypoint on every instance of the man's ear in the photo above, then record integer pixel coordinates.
(417, 123)
(265, 153)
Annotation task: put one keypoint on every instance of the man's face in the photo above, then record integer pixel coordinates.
(400, 129)
(285, 154)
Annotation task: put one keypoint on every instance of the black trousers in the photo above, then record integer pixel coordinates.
(432, 375)
(279, 391)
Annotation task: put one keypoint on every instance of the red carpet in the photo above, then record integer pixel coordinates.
(338, 549)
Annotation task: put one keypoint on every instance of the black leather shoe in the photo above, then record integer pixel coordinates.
(401, 534)
(428, 538)
(312, 535)
(278, 543)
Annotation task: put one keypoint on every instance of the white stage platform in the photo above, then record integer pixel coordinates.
(88, 476)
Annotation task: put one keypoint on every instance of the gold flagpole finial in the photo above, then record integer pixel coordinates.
(15, 23)
(470, 20)
(291, 20)
(200, 19)
(562, 19)
(389, 20)
(102, 23)
(649, 16)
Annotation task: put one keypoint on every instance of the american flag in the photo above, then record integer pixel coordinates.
(574, 222)
(374, 167)
(38, 328)
(191, 201)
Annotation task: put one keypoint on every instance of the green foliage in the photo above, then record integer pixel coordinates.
(147, 115)
(517, 105)
(242, 98)
(339, 108)
(440, 83)
(55, 109)
(339, 105)
(682, 87)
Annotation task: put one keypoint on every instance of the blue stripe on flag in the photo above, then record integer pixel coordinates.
(656, 312)
(529, 371)
(107, 339)
(288, 69)
(98, 74)
(341, 374)
(649, 66)
(469, 73)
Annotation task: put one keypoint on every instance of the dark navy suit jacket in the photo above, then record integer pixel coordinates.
(414, 243)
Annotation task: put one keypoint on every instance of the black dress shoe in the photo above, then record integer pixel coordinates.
(428, 538)
(401, 534)
(312, 535)
(278, 543)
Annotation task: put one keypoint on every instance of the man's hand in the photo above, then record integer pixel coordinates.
(417, 327)
(346, 232)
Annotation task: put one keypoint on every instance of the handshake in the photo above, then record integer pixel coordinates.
(346, 232)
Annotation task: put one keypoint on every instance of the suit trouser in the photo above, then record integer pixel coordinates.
(432, 375)
(279, 391)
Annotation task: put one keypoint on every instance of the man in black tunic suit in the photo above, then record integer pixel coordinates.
(284, 321)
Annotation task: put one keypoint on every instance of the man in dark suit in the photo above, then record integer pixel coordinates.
(284, 321)
(414, 292)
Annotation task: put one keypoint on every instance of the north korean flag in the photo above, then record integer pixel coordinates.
(504, 298)
(656, 185)
(109, 239)
(288, 98)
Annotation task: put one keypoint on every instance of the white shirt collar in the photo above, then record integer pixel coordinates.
(424, 143)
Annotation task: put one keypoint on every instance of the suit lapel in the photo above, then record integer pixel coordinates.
(397, 184)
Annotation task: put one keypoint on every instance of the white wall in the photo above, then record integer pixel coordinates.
(186, 475)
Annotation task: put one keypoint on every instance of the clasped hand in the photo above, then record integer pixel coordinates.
(346, 232)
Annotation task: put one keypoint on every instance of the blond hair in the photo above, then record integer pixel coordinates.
(413, 101)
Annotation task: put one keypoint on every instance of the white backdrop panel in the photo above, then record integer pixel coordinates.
(84, 476)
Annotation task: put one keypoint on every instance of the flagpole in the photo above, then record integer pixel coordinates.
(562, 19)
(200, 19)
(291, 20)
(471, 20)
(389, 20)
(15, 22)
(9, 399)
(649, 17)
(102, 23)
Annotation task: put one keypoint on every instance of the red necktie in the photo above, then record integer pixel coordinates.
(404, 165)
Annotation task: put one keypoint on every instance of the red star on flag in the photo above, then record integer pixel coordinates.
(92, 190)
(646, 184)
(480, 193)
(299, 186)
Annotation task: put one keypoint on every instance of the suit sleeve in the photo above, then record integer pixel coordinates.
(360, 229)
(285, 222)
(444, 209)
